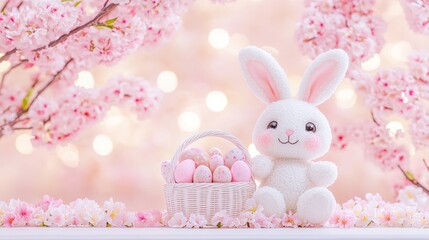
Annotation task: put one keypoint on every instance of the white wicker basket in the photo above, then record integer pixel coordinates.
(207, 198)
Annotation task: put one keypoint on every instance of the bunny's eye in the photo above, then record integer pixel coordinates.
(310, 127)
(272, 125)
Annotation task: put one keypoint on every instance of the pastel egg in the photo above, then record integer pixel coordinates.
(216, 161)
(199, 156)
(222, 174)
(215, 151)
(241, 172)
(165, 169)
(202, 174)
(234, 155)
(184, 171)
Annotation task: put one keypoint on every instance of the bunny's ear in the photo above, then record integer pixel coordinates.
(323, 76)
(264, 75)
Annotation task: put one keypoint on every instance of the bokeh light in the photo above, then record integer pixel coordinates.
(394, 127)
(218, 38)
(372, 63)
(399, 51)
(102, 145)
(345, 98)
(167, 81)
(85, 80)
(216, 101)
(4, 66)
(68, 154)
(252, 150)
(189, 121)
(23, 143)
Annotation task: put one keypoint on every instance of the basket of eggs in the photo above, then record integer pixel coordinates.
(201, 183)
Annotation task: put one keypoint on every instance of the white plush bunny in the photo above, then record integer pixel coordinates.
(290, 133)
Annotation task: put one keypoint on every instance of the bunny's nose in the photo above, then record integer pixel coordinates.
(289, 132)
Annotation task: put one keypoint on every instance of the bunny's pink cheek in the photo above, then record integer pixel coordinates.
(265, 139)
(312, 143)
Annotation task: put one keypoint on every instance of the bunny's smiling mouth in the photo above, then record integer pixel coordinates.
(287, 141)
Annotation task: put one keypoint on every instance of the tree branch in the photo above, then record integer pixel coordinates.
(53, 79)
(426, 164)
(3, 77)
(22, 128)
(413, 180)
(4, 6)
(103, 12)
(21, 112)
(373, 119)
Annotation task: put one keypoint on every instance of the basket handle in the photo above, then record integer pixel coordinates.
(212, 133)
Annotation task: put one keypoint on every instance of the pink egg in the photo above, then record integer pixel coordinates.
(202, 174)
(241, 172)
(216, 161)
(184, 171)
(199, 156)
(165, 169)
(222, 174)
(232, 156)
(215, 151)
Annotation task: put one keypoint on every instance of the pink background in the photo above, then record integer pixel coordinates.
(131, 172)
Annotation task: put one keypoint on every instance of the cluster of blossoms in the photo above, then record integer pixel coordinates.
(58, 121)
(56, 39)
(391, 92)
(373, 211)
(401, 93)
(382, 147)
(349, 25)
(417, 12)
(90, 32)
(81, 212)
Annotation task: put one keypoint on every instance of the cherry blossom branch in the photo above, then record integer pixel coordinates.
(103, 12)
(410, 177)
(23, 111)
(53, 79)
(3, 77)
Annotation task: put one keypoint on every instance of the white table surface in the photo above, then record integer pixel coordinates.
(170, 233)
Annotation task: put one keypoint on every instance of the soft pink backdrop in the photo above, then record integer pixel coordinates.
(131, 172)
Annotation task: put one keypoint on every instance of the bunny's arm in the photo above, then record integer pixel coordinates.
(262, 166)
(323, 173)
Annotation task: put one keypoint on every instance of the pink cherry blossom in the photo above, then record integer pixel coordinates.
(48, 201)
(417, 12)
(117, 215)
(418, 65)
(290, 219)
(23, 213)
(9, 220)
(342, 219)
(38, 217)
(55, 217)
(196, 221)
(178, 220)
(413, 196)
(151, 218)
(88, 212)
(349, 25)
(220, 219)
